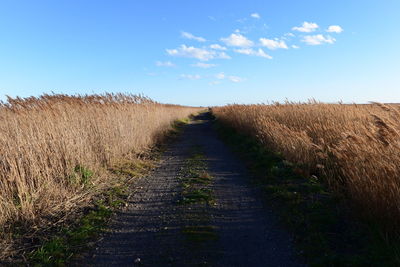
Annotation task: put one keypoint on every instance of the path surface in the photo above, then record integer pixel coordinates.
(245, 233)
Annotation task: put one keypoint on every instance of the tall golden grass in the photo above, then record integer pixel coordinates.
(355, 148)
(45, 141)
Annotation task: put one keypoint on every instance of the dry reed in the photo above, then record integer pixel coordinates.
(355, 148)
(45, 141)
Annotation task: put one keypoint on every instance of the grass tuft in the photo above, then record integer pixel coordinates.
(195, 179)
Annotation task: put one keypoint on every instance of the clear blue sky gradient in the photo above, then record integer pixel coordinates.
(94, 46)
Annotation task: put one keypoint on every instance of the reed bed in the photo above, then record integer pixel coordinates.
(354, 148)
(55, 149)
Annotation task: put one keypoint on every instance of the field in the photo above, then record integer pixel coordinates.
(64, 158)
(56, 149)
(355, 149)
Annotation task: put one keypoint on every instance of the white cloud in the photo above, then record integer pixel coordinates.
(236, 39)
(220, 76)
(252, 52)
(214, 82)
(287, 36)
(190, 36)
(273, 44)
(318, 39)
(255, 15)
(306, 27)
(295, 46)
(198, 53)
(335, 28)
(217, 47)
(223, 55)
(203, 65)
(245, 51)
(235, 79)
(191, 76)
(165, 64)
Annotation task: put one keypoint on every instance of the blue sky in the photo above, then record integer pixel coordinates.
(203, 52)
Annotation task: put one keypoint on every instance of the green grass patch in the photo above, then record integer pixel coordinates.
(197, 195)
(177, 126)
(58, 250)
(181, 122)
(80, 176)
(201, 177)
(132, 167)
(195, 179)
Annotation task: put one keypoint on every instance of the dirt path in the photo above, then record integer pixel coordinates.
(234, 230)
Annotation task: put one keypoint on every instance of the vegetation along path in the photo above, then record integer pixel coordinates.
(196, 209)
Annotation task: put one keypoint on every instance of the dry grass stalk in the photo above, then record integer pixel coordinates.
(51, 145)
(356, 148)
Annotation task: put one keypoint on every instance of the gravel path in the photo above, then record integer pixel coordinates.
(150, 228)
